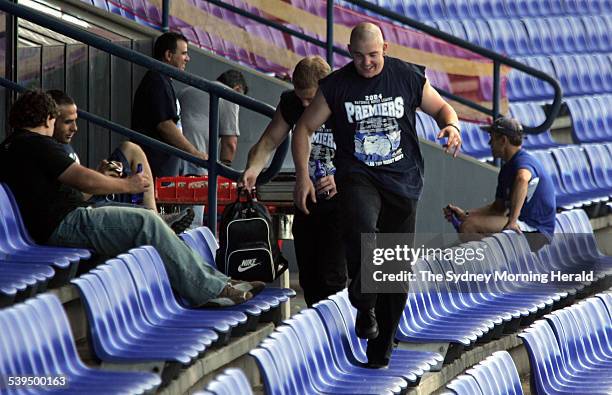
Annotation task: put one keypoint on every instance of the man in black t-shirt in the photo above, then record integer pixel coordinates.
(317, 241)
(370, 106)
(48, 187)
(156, 111)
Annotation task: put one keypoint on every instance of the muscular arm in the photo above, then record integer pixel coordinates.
(433, 104)
(275, 133)
(315, 115)
(228, 148)
(518, 194)
(92, 182)
(173, 136)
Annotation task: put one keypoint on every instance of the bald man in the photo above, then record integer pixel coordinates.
(370, 106)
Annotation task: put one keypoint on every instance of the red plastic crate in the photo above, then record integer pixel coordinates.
(193, 190)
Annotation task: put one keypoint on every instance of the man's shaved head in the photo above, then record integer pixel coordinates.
(366, 31)
(367, 48)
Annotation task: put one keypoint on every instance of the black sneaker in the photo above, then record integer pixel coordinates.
(366, 326)
(179, 221)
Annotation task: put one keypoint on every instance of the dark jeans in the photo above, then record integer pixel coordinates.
(319, 250)
(365, 208)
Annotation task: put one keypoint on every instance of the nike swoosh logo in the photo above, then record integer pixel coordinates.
(245, 268)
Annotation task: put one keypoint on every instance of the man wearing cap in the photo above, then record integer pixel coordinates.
(525, 195)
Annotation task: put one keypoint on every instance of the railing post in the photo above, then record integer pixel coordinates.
(213, 135)
(330, 33)
(165, 14)
(496, 89)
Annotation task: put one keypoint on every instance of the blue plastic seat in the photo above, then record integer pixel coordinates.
(17, 246)
(294, 368)
(575, 174)
(37, 340)
(564, 199)
(510, 37)
(597, 33)
(231, 382)
(204, 243)
(121, 335)
(478, 32)
(255, 308)
(318, 340)
(475, 141)
(533, 7)
(531, 114)
(522, 86)
(319, 368)
(496, 375)
(427, 126)
(570, 351)
(601, 166)
(464, 385)
(575, 7)
(460, 9)
(339, 322)
(589, 119)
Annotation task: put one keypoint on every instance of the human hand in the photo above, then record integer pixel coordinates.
(139, 182)
(453, 139)
(326, 186)
(459, 212)
(248, 179)
(512, 225)
(110, 168)
(303, 190)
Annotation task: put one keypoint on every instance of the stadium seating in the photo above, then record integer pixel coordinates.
(570, 350)
(231, 382)
(36, 340)
(496, 375)
(531, 114)
(317, 353)
(522, 87)
(119, 329)
(204, 243)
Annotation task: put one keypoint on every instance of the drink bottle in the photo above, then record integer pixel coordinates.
(138, 198)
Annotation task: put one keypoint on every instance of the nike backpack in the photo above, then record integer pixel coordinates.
(248, 249)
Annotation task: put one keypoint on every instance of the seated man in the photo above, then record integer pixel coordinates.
(525, 196)
(48, 187)
(122, 162)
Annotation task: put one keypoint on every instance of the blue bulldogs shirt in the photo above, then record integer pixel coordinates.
(373, 121)
(323, 147)
(540, 205)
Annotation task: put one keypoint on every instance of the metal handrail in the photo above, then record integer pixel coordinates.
(215, 91)
(498, 59)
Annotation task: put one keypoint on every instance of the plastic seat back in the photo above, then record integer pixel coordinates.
(231, 382)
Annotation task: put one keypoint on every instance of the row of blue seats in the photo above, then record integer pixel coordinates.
(496, 375)
(577, 75)
(134, 315)
(37, 341)
(465, 313)
(581, 175)
(571, 350)
(231, 381)
(26, 268)
(591, 118)
(476, 142)
(317, 351)
(453, 9)
(535, 36)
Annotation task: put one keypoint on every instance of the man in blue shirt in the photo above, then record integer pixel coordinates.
(525, 196)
